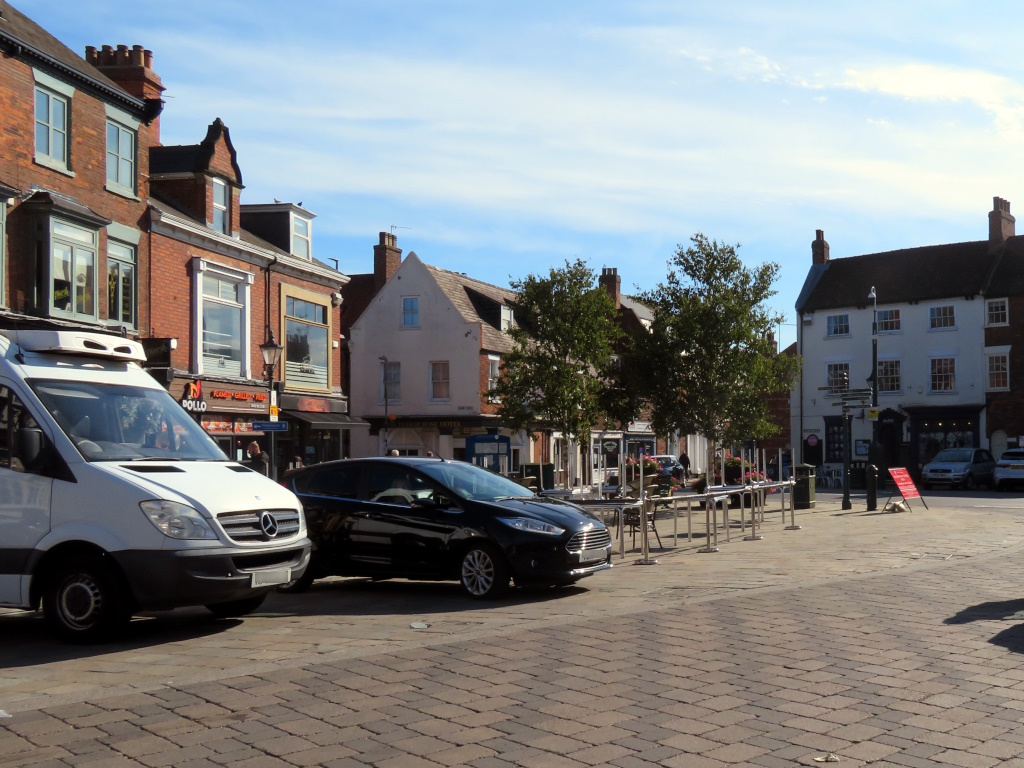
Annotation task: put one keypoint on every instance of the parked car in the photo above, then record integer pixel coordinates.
(429, 518)
(1009, 469)
(668, 466)
(959, 467)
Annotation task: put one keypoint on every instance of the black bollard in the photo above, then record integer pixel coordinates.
(871, 480)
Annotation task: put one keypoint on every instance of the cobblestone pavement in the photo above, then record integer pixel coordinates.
(883, 639)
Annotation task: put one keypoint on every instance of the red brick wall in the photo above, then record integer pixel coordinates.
(1006, 409)
(87, 161)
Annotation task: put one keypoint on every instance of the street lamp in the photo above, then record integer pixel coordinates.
(384, 376)
(271, 356)
(874, 449)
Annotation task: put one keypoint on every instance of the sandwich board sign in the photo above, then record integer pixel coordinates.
(905, 484)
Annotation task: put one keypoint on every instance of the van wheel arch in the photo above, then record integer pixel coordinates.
(53, 558)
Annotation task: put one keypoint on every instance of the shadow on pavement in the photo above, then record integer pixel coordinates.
(367, 597)
(995, 611)
(26, 640)
(1011, 639)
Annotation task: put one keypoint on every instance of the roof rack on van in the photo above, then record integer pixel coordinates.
(77, 343)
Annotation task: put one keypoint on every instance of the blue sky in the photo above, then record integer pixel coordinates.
(500, 139)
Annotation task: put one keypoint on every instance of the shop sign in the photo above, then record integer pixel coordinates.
(313, 405)
(238, 395)
(192, 398)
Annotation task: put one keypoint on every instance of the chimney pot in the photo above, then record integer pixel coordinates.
(819, 248)
(1001, 224)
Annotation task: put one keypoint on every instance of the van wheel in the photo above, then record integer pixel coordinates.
(84, 601)
(300, 584)
(484, 573)
(236, 608)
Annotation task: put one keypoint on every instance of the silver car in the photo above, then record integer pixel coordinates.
(1009, 469)
(959, 467)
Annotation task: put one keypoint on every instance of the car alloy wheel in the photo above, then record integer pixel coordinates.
(484, 573)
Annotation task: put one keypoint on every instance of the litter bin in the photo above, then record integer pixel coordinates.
(803, 491)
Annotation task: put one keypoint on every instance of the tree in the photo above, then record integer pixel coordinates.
(563, 340)
(710, 362)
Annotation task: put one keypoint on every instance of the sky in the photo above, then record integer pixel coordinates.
(502, 139)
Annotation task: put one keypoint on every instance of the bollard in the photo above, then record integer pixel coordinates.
(871, 480)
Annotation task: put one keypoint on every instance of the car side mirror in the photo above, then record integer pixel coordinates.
(31, 446)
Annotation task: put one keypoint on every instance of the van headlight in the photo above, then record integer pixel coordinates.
(531, 525)
(179, 521)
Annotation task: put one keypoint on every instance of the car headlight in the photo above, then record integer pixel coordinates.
(179, 521)
(531, 525)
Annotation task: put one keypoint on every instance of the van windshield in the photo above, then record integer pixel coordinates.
(112, 422)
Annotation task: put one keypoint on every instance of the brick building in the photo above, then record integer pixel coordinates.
(73, 183)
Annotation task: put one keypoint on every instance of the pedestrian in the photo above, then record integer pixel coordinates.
(258, 460)
(684, 462)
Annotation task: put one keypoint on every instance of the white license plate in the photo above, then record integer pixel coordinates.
(592, 556)
(271, 578)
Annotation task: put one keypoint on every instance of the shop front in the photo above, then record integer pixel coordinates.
(319, 429)
(225, 411)
(932, 429)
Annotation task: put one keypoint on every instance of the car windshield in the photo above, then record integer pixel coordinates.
(112, 422)
(954, 454)
(471, 482)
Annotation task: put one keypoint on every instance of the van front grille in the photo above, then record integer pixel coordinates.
(260, 525)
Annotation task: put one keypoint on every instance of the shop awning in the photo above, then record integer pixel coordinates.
(327, 420)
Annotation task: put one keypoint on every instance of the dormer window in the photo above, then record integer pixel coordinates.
(506, 318)
(302, 241)
(221, 207)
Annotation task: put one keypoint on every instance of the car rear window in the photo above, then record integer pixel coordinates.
(1015, 455)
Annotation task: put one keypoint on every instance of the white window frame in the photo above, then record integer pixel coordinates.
(493, 374)
(408, 313)
(937, 317)
(79, 248)
(392, 371)
(306, 238)
(121, 262)
(507, 318)
(898, 377)
(832, 377)
(302, 374)
(994, 303)
(201, 267)
(992, 354)
(436, 368)
(893, 319)
(219, 183)
(52, 88)
(831, 327)
(932, 360)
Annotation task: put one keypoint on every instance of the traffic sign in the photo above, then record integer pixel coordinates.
(270, 426)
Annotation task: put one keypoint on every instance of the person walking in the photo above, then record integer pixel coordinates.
(258, 460)
(684, 462)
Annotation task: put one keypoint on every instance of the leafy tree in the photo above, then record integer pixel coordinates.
(563, 340)
(710, 362)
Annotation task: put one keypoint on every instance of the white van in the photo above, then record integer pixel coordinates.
(114, 500)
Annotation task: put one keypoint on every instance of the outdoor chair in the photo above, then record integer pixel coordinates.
(632, 520)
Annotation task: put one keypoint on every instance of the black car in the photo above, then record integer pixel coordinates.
(429, 518)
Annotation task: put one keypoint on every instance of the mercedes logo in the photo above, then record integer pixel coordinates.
(269, 524)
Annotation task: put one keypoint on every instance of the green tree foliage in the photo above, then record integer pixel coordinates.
(564, 336)
(710, 363)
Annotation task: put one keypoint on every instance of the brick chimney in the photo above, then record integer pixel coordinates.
(819, 248)
(387, 258)
(132, 69)
(612, 283)
(1000, 222)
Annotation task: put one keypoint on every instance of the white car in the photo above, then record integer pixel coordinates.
(1009, 469)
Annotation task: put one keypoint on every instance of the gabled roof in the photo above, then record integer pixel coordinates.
(929, 273)
(194, 158)
(477, 302)
(30, 41)
(642, 311)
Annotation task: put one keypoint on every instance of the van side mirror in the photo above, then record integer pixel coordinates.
(31, 446)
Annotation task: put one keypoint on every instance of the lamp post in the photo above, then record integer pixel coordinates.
(384, 378)
(271, 355)
(874, 448)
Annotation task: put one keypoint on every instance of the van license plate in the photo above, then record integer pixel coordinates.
(271, 578)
